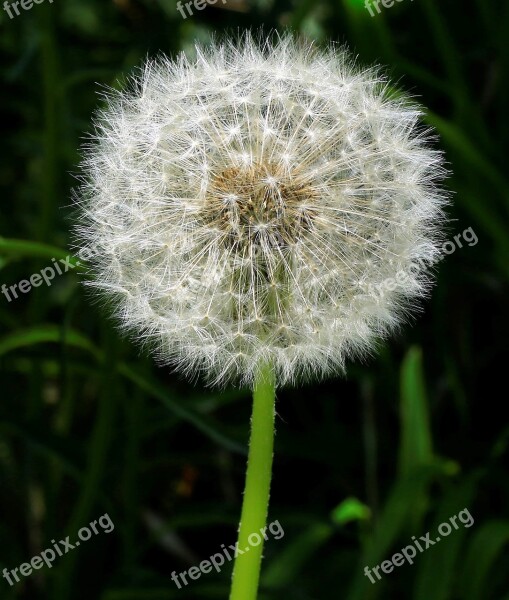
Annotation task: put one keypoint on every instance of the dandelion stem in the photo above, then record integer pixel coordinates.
(246, 571)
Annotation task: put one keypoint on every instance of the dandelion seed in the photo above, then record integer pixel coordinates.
(245, 202)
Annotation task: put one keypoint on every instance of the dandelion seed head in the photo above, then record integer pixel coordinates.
(245, 206)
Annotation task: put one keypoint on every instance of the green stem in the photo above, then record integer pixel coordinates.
(246, 571)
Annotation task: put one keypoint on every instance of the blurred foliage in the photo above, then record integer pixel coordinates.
(407, 440)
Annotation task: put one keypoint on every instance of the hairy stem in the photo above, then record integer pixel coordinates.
(246, 571)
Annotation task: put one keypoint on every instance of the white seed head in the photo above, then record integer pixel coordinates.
(248, 206)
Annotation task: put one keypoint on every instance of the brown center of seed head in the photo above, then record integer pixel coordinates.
(264, 203)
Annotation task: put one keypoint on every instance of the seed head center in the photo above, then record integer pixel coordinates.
(261, 201)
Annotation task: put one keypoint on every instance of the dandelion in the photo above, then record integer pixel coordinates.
(241, 204)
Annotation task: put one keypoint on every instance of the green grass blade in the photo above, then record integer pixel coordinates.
(14, 248)
(416, 445)
(486, 546)
(52, 333)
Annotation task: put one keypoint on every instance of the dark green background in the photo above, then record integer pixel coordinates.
(88, 425)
